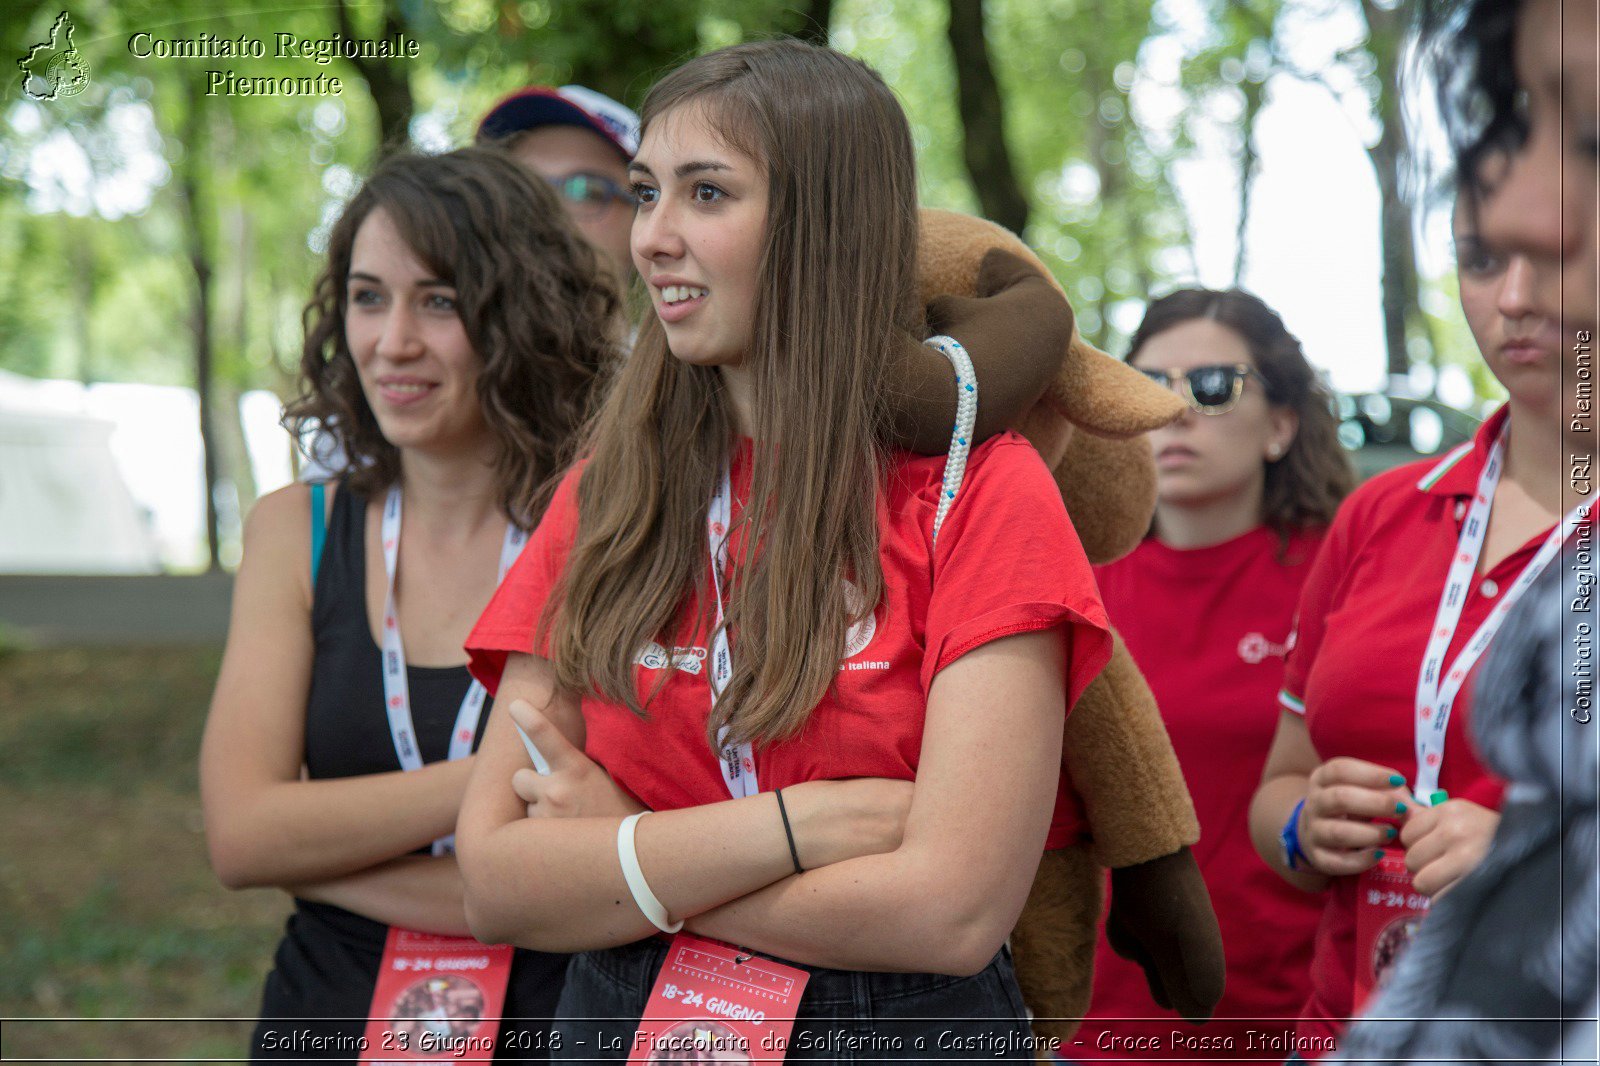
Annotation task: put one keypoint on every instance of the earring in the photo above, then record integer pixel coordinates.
(1274, 452)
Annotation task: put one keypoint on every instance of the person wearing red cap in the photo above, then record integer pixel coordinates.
(581, 142)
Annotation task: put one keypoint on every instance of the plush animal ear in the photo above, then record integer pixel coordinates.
(1091, 389)
(1108, 397)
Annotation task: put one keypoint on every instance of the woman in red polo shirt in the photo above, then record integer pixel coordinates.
(1247, 480)
(874, 633)
(1372, 794)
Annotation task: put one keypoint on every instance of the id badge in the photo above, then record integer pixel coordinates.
(438, 999)
(715, 1003)
(1388, 912)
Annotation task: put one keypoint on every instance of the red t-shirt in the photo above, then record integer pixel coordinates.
(1362, 632)
(1008, 561)
(1208, 627)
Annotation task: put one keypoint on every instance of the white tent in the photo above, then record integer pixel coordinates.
(64, 505)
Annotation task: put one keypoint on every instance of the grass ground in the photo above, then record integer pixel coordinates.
(111, 910)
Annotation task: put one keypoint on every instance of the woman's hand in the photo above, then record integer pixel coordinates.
(1348, 803)
(576, 786)
(695, 859)
(960, 870)
(1445, 842)
(832, 820)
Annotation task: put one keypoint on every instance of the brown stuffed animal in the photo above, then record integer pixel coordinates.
(1086, 413)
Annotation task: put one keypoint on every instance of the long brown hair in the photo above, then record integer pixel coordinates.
(1306, 484)
(530, 296)
(837, 276)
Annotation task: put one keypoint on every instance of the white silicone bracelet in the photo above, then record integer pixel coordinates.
(642, 896)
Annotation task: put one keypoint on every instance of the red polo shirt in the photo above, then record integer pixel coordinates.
(1362, 631)
(1208, 627)
(1007, 561)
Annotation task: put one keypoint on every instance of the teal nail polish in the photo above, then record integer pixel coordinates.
(1438, 797)
(1396, 779)
(1378, 854)
(1399, 808)
(1390, 832)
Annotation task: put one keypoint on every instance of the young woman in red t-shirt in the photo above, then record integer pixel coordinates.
(1247, 480)
(1372, 794)
(737, 470)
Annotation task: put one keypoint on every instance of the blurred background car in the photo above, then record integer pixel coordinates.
(1382, 431)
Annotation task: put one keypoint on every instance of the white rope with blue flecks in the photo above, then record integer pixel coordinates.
(955, 465)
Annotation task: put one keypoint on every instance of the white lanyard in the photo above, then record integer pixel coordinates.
(396, 692)
(1436, 687)
(738, 762)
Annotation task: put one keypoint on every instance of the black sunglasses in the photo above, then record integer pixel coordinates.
(1210, 390)
(588, 195)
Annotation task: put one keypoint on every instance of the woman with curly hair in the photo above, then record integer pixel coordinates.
(456, 336)
(1248, 479)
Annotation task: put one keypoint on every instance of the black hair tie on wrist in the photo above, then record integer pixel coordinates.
(788, 831)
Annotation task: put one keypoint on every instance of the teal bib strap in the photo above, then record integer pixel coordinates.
(319, 526)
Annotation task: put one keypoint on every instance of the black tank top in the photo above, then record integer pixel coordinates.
(347, 731)
(326, 966)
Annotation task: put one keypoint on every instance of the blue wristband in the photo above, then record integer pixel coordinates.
(1290, 839)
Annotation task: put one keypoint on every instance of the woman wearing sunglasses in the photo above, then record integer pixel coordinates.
(1247, 480)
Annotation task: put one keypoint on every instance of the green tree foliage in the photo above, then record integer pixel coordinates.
(1103, 211)
(1234, 62)
(1246, 49)
(174, 192)
(182, 229)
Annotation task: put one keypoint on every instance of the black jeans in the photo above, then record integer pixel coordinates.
(844, 1016)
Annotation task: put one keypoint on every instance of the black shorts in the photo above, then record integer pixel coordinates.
(315, 1002)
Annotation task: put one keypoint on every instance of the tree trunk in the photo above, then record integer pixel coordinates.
(200, 263)
(1254, 96)
(813, 17)
(983, 120)
(1399, 255)
(1401, 313)
(234, 446)
(387, 83)
(283, 365)
(1098, 80)
(239, 466)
